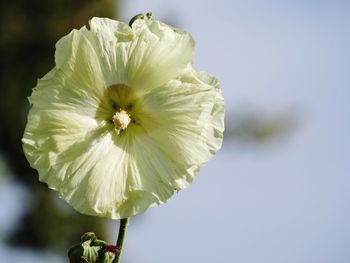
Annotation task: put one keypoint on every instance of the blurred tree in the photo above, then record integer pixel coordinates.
(29, 31)
(257, 127)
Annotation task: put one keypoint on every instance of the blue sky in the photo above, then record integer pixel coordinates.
(285, 202)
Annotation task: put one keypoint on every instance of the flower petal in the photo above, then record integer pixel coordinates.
(188, 122)
(91, 60)
(112, 40)
(103, 176)
(56, 124)
(98, 170)
(79, 65)
(158, 54)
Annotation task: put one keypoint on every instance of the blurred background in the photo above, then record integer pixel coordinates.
(279, 189)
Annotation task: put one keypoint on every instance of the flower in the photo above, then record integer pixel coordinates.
(123, 120)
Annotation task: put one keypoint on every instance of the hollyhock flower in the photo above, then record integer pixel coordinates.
(123, 120)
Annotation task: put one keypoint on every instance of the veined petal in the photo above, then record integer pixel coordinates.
(113, 39)
(62, 97)
(188, 117)
(56, 124)
(91, 60)
(110, 176)
(97, 169)
(218, 111)
(109, 30)
(158, 54)
(79, 65)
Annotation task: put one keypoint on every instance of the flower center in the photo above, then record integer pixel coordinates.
(121, 120)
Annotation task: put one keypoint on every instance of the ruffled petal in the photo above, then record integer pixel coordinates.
(56, 124)
(113, 40)
(91, 60)
(79, 65)
(158, 54)
(187, 122)
(98, 170)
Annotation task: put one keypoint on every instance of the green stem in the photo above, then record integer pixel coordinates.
(122, 230)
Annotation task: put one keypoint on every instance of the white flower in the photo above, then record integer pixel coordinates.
(123, 120)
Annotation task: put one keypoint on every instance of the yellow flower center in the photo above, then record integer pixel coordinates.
(121, 120)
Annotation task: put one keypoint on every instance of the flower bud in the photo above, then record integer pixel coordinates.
(92, 250)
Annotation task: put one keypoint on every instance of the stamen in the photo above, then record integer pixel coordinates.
(121, 120)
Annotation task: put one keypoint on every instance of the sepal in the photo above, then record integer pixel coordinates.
(92, 250)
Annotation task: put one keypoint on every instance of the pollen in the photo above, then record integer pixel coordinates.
(121, 120)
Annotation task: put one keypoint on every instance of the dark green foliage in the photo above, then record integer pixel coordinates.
(29, 31)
